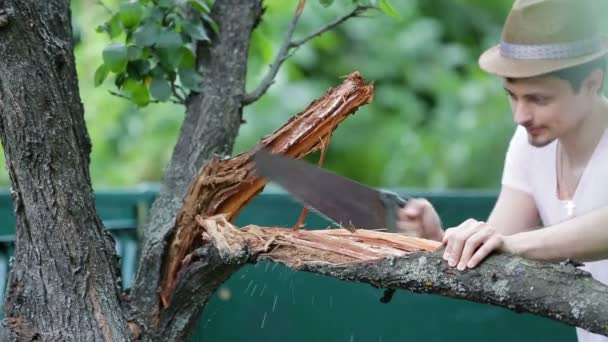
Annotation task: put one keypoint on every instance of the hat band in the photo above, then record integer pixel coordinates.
(551, 51)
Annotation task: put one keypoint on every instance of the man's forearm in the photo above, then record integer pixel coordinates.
(584, 238)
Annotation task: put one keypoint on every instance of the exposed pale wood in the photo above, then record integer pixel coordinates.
(226, 186)
(334, 246)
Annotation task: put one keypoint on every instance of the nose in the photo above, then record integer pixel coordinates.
(522, 113)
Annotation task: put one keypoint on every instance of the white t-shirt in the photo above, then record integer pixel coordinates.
(533, 170)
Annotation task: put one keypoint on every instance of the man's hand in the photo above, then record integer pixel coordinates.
(418, 218)
(472, 241)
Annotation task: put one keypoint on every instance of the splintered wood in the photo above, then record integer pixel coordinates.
(297, 248)
(225, 186)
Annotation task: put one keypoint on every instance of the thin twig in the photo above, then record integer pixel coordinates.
(151, 101)
(100, 3)
(324, 142)
(180, 98)
(268, 80)
(355, 13)
(288, 44)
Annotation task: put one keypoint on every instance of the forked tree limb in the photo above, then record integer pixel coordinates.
(356, 12)
(289, 44)
(226, 186)
(391, 261)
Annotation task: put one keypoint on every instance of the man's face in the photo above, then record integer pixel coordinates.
(547, 107)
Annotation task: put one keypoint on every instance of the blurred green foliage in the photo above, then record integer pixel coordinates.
(437, 121)
(153, 48)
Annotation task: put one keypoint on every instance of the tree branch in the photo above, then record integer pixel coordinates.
(288, 44)
(123, 96)
(279, 59)
(209, 128)
(391, 261)
(225, 186)
(354, 13)
(196, 283)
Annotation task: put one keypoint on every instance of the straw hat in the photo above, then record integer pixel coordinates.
(541, 36)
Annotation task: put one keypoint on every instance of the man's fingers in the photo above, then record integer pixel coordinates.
(488, 247)
(472, 243)
(408, 227)
(415, 207)
(446, 237)
(458, 239)
(419, 218)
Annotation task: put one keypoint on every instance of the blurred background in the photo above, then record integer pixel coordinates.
(436, 122)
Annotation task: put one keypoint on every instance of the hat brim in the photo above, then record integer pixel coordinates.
(493, 62)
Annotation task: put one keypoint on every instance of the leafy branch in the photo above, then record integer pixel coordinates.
(152, 53)
(289, 45)
(154, 44)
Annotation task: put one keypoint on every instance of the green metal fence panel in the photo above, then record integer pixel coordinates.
(269, 302)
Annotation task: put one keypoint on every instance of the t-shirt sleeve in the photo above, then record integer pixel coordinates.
(517, 160)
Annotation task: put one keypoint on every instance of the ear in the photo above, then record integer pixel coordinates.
(593, 82)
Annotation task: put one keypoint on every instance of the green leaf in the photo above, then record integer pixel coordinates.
(160, 89)
(147, 34)
(102, 28)
(165, 3)
(387, 7)
(131, 13)
(170, 58)
(138, 69)
(174, 18)
(190, 78)
(113, 26)
(169, 39)
(200, 6)
(134, 52)
(120, 79)
(214, 26)
(158, 71)
(137, 91)
(326, 3)
(196, 30)
(157, 14)
(188, 59)
(115, 57)
(101, 74)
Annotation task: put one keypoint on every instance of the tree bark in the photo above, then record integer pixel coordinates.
(384, 260)
(211, 124)
(64, 283)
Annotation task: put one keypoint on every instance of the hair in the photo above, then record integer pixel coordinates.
(577, 74)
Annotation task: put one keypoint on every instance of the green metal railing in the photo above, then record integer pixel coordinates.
(269, 302)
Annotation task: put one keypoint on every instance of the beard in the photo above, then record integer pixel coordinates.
(539, 141)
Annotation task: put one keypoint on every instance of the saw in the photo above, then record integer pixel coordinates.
(345, 202)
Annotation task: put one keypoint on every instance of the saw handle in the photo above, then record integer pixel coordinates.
(390, 198)
(392, 202)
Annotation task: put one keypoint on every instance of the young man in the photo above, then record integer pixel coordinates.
(552, 61)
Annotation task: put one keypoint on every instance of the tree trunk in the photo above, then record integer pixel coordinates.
(211, 124)
(64, 283)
